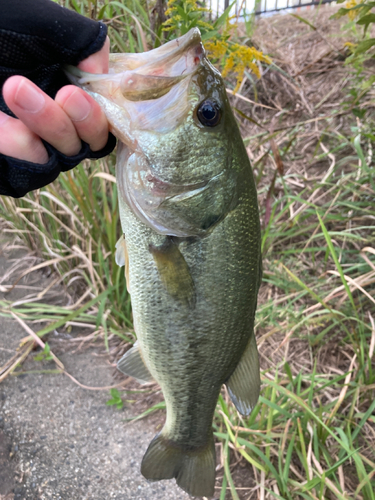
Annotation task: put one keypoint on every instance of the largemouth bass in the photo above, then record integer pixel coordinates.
(191, 246)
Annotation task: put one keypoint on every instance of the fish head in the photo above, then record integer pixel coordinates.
(169, 109)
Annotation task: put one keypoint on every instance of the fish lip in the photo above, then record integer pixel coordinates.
(184, 43)
(179, 47)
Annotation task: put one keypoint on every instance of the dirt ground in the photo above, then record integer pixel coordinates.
(60, 441)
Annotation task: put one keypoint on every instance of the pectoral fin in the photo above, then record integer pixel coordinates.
(122, 258)
(133, 365)
(174, 271)
(244, 384)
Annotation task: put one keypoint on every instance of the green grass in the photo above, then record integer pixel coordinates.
(312, 433)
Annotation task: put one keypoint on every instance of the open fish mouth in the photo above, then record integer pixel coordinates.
(145, 91)
(147, 75)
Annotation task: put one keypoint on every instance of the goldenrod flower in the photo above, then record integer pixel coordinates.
(351, 46)
(217, 49)
(237, 58)
(232, 57)
(181, 13)
(353, 13)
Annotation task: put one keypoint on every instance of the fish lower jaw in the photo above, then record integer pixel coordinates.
(148, 205)
(159, 188)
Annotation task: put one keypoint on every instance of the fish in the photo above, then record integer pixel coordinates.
(190, 246)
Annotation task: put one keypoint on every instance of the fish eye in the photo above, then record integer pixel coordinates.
(209, 113)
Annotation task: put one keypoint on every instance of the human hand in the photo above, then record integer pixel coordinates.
(63, 122)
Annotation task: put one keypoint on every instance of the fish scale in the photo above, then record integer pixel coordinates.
(191, 246)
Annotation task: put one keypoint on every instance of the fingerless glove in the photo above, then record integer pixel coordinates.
(37, 38)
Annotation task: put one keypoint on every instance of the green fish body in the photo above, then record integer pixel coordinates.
(191, 247)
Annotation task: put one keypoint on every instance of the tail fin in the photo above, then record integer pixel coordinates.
(194, 470)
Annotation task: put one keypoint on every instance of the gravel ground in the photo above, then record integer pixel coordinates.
(59, 441)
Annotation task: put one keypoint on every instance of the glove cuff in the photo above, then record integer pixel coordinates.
(18, 177)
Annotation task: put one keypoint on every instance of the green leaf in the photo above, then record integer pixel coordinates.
(53, 326)
(364, 46)
(228, 475)
(157, 406)
(45, 355)
(337, 263)
(131, 12)
(116, 399)
(303, 20)
(241, 113)
(288, 459)
(184, 15)
(277, 408)
(101, 12)
(359, 113)
(115, 393)
(210, 34)
(366, 20)
(367, 415)
(221, 20)
(288, 371)
(340, 13)
(364, 10)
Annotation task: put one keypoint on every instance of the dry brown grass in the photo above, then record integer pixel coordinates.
(314, 424)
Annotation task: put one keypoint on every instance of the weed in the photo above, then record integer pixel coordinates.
(115, 400)
(45, 354)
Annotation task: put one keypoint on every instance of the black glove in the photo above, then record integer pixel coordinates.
(18, 177)
(38, 37)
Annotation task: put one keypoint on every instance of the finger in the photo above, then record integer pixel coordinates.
(41, 114)
(87, 116)
(98, 62)
(18, 141)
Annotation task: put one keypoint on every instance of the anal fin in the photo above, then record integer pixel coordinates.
(244, 383)
(174, 271)
(133, 365)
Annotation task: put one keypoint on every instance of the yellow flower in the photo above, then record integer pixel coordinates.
(178, 22)
(237, 58)
(216, 49)
(353, 13)
(232, 57)
(169, 12)
(229, 66)
(203, 24)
